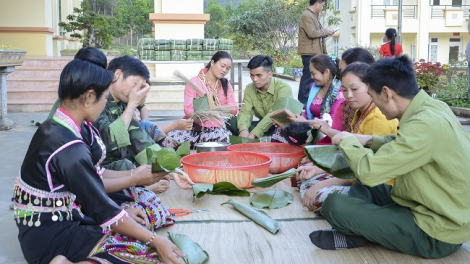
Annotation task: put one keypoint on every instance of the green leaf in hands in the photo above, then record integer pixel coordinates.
(184, 149)
(220, 188)
(272, 199)
(273, 179)
(331, 160)
(258, 216)
(194, 253)
(165, 159)
(201, 189)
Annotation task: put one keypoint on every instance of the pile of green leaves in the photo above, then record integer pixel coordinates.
(220, 188)
(167, 159)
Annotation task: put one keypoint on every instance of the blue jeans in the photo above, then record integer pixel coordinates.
(305, 81)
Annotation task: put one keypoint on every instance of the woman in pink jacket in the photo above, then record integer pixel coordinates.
(210, 81)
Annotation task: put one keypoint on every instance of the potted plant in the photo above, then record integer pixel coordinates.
(296, 66)
(68, 52)
(280, 61)
(10, 56)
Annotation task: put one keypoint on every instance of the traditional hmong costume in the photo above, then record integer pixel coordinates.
(61, 206)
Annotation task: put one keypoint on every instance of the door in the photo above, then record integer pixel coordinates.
(454, 48)
(433, 49)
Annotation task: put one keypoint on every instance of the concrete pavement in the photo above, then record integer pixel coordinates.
(13, 146)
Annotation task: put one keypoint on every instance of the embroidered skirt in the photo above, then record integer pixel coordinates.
(208, 134)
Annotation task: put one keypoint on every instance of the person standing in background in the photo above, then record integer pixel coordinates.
(391, 48)
(311, 42)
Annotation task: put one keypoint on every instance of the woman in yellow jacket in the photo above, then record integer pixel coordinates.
(368, 120)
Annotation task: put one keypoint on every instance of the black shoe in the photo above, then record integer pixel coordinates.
(331, 239)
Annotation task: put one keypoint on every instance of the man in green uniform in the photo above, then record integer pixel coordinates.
(259, 98)
(427, 212)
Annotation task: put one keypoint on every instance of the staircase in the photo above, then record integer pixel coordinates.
(33, 86)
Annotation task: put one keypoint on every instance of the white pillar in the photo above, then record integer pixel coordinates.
(5, 123)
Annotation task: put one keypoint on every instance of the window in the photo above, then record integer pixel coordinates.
(436, 2)
(413, 52)
(336, 46)
(336, 4)
(456, 3)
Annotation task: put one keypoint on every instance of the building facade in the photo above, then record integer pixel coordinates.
(32, 25)
(434, 30)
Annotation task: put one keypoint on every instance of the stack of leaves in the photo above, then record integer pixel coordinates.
(258, 216)
(194, 253)
(331, 160)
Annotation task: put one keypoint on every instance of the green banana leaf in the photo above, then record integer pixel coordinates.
(258, 216)
(239, 140)
(184, 149)
(273, 179)
(313, 136)
(194, 253)
(330, 159)
(272, 199)
(220, 188)
(165, 159)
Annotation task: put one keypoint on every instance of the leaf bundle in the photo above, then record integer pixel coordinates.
(273, 179)
(258, 216)
(194, 253)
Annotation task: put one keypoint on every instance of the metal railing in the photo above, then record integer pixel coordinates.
(437, 11)
(378, 11)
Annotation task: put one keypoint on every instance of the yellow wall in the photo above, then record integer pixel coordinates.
(25, 13)
(34, 43)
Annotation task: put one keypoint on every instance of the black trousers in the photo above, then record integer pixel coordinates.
(305, 81)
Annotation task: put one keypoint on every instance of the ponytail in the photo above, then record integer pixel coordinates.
(391, 34)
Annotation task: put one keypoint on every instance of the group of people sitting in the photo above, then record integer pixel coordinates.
(85, 173)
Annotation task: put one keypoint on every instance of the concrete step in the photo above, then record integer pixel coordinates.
(35, 74)
(169, 92)
(165, 105)
(32, 85)
(45, 62)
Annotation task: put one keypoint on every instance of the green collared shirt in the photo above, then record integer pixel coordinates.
(430, 161)
(259, 104)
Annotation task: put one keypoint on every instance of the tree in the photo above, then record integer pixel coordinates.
(134, 15)
(95, 28)
(215, 26)
(270, 26)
